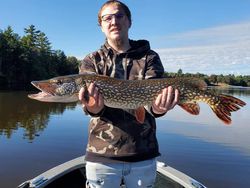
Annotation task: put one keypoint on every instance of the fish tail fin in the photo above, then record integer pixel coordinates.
(225, 105)
(192, 108)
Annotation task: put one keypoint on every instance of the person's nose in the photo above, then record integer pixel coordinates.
(114, 20)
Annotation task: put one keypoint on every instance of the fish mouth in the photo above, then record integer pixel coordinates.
(47, 97)
(45, 88)
(40, 95)
(48, 93)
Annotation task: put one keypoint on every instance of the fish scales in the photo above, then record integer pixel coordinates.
(132, 94)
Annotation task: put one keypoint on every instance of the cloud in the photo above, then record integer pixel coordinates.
(218, 50)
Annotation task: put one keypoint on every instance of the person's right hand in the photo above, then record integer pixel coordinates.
(95, 103)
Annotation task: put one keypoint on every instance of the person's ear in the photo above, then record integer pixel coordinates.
(130, 23)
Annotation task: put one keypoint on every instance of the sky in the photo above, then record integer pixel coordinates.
(208, 36)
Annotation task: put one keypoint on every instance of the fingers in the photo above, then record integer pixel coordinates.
(158, 100)
(92, 92)
(176, 97)
(170, 96)
(100, 100)
(164, 97)
(166, 100)
(91, 99)
(81, 95)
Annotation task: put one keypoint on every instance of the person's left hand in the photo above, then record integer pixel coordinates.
(97, 103)
(166, 100)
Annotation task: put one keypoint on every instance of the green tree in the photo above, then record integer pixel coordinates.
(179, 72)
(43, 44)
(73, 64)
(30, 40)
(35, 54)
(213, 79)
(10, 52)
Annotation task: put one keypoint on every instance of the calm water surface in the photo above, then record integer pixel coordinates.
(36, 136)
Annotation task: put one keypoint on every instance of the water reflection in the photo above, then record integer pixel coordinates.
(18, 111)
(200, 146)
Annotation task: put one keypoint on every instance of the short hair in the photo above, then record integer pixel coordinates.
(119, 4)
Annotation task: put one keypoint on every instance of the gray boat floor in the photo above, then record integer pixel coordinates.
(76, 179)
(72, 174)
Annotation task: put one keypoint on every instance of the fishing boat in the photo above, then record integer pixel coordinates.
(71, 174)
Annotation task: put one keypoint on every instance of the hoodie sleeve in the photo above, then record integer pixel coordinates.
(154, 69)
(88, 64)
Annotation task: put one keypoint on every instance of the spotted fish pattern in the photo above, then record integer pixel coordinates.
(132, 94)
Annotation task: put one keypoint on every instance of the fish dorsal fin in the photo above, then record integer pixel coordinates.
(88, 72)
(196, 82)
(192, 108)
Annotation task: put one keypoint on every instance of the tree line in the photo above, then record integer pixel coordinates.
(30, 57)
(214, 79)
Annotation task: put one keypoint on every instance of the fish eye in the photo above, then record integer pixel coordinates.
(59, 82)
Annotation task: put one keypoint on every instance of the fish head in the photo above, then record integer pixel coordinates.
(58, 86)
(58, 89)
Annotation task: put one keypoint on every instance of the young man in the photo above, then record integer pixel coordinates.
(120, 150)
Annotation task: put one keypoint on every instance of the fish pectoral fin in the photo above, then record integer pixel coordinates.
(91, 101)
(140, 114)
(192, 108)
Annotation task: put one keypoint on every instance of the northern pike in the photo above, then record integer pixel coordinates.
(135, 94)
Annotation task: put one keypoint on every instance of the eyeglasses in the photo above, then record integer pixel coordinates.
(108, 17)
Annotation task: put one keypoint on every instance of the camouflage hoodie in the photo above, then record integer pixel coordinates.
(114, 134)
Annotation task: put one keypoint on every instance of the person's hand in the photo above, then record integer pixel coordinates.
(166, 100)
(93, 101)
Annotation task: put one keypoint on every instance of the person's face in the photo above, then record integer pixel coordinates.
(115, 24)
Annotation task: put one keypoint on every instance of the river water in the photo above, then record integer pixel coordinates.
(35, 136)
